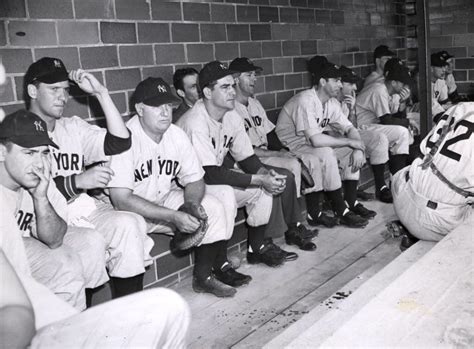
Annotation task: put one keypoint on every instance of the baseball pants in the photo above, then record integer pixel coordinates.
(398, 137)
(376, 146)
(258, 204)
(218, 202)
(291, 165)
(414, 211)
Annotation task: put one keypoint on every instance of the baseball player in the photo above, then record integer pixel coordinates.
(435, 193)
(261, 133)
(54, 255)
(215, 129)
(439, 90)
(300, 127)
(160, 172)
(373, 113)
(185, 83)
(81, 144)
(453, 94)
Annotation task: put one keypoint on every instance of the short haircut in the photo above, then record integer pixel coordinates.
(180, 74)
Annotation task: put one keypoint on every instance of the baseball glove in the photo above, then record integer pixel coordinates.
(184, 241)
(306, 178)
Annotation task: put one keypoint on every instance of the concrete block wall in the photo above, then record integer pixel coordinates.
(124, 41)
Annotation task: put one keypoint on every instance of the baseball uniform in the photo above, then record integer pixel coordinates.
(451, 83)
(429, 206)
(153, 171)
(81, 144)
(212, 140)
(439, 94)
(304, 114)
(258, 126)
(376, 78)
(371, 104)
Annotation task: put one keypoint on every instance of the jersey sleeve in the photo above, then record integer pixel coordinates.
(305, 116)
(241, 147)
(92, 139)
(57, 200)
(380, 103)
(338, 121)
(191, 169)
(123, 167)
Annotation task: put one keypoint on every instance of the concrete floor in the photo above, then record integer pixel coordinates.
(278, 297)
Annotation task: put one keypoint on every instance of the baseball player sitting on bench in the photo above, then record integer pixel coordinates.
(453, 94)
(439, 90)
(215, 129)
(185, 83)
(435, 193)
(262, 135)
(161, 172)
(374, 114)
(301, 126)
(81, 144)
(64, 260)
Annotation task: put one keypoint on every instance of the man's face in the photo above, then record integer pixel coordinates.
(438, 72)
(51, 99)
(191, 94)
(450, 66)
(155, 120)
(348, 88)
(333, 87)
(381, 61)
(19, 163)
(223, 93)
(398, 86)
(247, 82)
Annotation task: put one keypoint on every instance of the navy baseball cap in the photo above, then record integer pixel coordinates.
(48, 70)
(154, 92)
(397, 71)
(25, 129)
(316, 63)
(438, 60)
(243, 64)
(383, 51)
(330, 70)
(348, 75)
(446, 55)
(213, 71)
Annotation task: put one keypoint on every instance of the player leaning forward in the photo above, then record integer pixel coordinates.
(145, 183)
(81, 144)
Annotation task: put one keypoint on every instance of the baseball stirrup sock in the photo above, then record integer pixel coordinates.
(337, 202)
(256, 236)
(313, 203)
(125, 286)
(379, 176)
(221, 257)
(204, 255)
(397, 162)
(350, 192)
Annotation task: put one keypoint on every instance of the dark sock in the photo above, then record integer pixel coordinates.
(126, 286)
(89, 293)
(221, 257)
(350, 192)
(397, 162)
(379, 176)
(204, 257)
(336, 200)
(255, 237)
(313, 203)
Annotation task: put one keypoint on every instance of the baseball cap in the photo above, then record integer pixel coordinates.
(243, 64)
(315, 64)
(437, 60)
(446, 55)
(154, 92)
(397, 71)
(48, 70)
(213, 71)
(383, 51)
(348, 75)
(25, 129)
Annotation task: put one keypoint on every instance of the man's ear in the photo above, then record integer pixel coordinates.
(180, 93)
(139, 108)
(206, 92)
(32, 91)
(322, 81)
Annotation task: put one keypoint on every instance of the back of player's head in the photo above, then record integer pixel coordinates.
(243, 65)
(438, 60)
(212, 72)
(314, 66)
(395, 70)
(154, 92)
(180, 74)
(383, 51)
(327, 71)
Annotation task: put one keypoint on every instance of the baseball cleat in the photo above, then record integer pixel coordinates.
(385, 195)
(267, 255)
(214, 286)
(292, 238)
(362, 211)
(324, 219)
(231, 277)
(407, 241)
(352, 220)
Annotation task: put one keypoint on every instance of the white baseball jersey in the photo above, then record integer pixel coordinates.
(454, 159)
(373, 77)
(213, 139)
(371, 103)
(256, 122)
(304, 115)
(150, 169)
(439, 90)
(79, 144)
(451, 83)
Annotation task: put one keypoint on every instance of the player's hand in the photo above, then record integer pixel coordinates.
(350, 100)
(274, 183)
(404, 94)
(356, 144)
(87, 82)
(43, 172)
(95, 177)
(185, 223)
(357, 160)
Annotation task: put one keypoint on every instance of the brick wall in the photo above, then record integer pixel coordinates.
(125, 41)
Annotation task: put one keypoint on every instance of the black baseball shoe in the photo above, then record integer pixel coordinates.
(288, 256)
(231, 277)
(384, 195)
(362, 211)
(352, 220)
(266, 255)
(323, 219)
(407, 241)
(292, 237)
(306, 233)
(214, 286)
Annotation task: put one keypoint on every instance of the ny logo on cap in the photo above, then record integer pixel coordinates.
(161, 88)
(38, 126)
(57, 64)
(222, 66)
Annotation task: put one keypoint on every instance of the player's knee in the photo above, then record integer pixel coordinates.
(227, 198)
(129, 224)
(403, 135)
(95, 242)
(68, 266)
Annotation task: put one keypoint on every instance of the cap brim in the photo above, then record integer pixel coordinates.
(156, 101)
(32, 142)
(53, 77)
(351, 80)
(219, 75)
